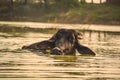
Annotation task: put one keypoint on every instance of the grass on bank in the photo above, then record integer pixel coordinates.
(85, 13)
(17, 29)
(89, 13)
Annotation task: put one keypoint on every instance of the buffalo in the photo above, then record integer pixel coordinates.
(63, 42)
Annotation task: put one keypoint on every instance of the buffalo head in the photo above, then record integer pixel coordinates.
(65, 42)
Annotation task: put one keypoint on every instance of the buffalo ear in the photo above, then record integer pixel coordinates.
(84, 50)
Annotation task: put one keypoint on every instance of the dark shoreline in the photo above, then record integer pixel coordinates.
(39, 27)
(59, 21)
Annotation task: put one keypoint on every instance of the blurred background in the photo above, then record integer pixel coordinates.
(61, 11)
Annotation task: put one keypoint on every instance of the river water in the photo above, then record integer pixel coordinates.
(17, 64)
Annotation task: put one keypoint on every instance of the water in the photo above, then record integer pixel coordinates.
(17, 64)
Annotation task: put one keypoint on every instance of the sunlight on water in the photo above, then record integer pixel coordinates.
(17, 64)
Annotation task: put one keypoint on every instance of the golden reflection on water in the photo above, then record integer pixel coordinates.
(18, 64)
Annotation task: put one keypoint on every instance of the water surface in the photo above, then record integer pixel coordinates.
(17, 64)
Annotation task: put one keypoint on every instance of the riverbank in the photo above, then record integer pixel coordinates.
(37, 25)
(101, 14)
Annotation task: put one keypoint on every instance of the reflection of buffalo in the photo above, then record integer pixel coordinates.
(64, 42)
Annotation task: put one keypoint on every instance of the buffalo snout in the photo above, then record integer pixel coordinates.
(56, 51)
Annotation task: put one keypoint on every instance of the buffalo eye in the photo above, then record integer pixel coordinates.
(59, 36)
(71, 38)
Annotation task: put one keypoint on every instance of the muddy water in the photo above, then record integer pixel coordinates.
(17, 64)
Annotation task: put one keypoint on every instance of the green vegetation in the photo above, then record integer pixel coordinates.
(89, 13)
(16, 30)
(86, 13)
(62, 12)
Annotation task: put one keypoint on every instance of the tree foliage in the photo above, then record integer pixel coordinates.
(67, 3)
(83, 1)
(113, 2)
(46, 3)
